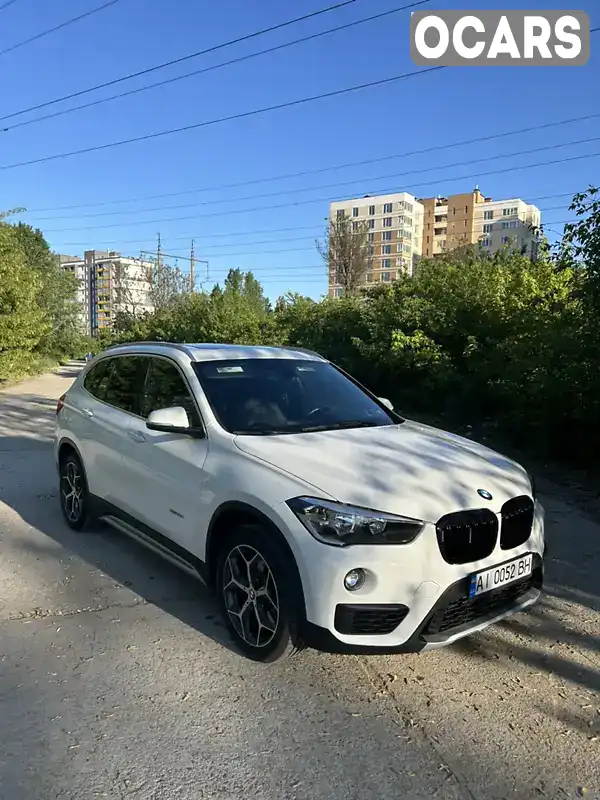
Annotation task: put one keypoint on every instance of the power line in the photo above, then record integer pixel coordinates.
(213, 255)
(229, 235)
(57, 27)
(208, 251)
(280, 272)
(328, 199)
(7, 4)
(212, 67)
(198, 53)
(330, 185)
(187, 238)
(231, 117)
(406, 154)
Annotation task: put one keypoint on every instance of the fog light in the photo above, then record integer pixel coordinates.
(355, 579)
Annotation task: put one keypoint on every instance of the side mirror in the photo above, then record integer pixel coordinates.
(387, 403)
(169, 420)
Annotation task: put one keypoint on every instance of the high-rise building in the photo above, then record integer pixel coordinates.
(403, 229)
(76, 266)
(459, 219)
(109, 283)
(395, 234)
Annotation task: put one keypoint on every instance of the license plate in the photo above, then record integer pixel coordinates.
(482, 582)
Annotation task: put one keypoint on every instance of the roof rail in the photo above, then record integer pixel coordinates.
(299, 350)
(177, 345)
(187, 349)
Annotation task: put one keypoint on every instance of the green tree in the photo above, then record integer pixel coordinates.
(581, 240)
(56, 294)
(346, 252)
(23, 323)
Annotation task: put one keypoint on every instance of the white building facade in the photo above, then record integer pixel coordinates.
(395, 233)
(76, 266)
(512, 223)
(110, 284)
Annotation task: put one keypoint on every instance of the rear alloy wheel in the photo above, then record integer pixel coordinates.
(254, 595)
(74, 498)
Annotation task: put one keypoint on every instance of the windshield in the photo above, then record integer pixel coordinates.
(272, 396)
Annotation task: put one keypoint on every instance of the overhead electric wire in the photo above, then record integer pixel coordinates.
(219, 120)
(406, 154)
(280, 272)
(238, 211)
(329, 185)
(316, 229)
(229, 234)
(165, 64)
(188, 57)
(7, 4)
(208, 250)
(213, 67)
(57, 27)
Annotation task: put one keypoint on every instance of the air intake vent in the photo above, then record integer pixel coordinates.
(465, 611)
(368, 620)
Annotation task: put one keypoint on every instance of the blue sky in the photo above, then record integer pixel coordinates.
(236, 227)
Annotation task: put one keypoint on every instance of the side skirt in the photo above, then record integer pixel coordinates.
(150, 538)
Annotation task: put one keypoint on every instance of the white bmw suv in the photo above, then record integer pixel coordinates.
(317, 514)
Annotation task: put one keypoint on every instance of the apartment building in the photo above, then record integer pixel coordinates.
(395, 223)
(460, 219)
(109, 284)
(76, 266)
(403, 229)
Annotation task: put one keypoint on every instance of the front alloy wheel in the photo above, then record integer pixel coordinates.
(73, 493)
(258, 594)
(250, 596)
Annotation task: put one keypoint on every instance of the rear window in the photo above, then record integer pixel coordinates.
(126, 383)
(96, 379)
(118, 381)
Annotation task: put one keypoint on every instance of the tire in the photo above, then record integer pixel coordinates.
(75, 502)
(258, 594)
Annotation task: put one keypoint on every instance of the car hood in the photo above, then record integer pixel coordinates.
(408, 469)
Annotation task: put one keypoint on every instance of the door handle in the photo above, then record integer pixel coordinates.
(87, 412)
(137, 436)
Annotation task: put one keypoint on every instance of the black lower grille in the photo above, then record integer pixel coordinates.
(462, 610)
(517, 522)
(368, 619)
(467, 535)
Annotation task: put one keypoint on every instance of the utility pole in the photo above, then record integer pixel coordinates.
(158, 260)
(160, 254)
(192, 270)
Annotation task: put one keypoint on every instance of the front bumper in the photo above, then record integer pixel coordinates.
(412, 581)
(450, 619)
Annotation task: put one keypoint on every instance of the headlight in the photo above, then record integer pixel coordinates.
(342, 525)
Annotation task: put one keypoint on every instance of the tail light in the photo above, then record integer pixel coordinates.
(60, 404)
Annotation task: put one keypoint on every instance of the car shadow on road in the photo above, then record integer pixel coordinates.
(131, 565)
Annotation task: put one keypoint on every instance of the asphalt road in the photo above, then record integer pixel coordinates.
(117, 681)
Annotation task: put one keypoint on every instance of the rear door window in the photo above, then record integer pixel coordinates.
(126, 383)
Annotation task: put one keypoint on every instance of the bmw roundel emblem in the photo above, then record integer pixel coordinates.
(484, 493)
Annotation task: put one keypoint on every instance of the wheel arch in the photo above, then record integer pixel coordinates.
(66, 446)
(233, 514)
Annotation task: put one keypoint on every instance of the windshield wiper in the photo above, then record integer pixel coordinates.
(340, 426)
(263, 432)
